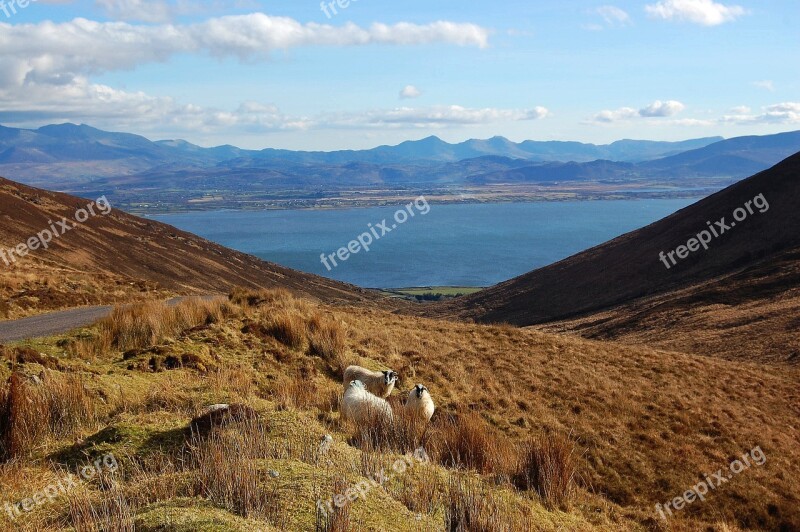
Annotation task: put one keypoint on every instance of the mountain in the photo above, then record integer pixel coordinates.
(128, 248)
(433, 149)
(736, 156)
(751, 315)
(752, 260)
(130, 169)
(70, 142)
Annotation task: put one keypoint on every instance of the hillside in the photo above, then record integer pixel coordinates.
(631, 266)
(117, 256)
(751, 314)
(640, 426)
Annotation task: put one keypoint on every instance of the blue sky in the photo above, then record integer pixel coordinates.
(284, 74)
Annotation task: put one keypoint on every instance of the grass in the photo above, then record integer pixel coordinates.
(642, 424)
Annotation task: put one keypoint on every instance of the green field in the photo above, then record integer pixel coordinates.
(431, 292)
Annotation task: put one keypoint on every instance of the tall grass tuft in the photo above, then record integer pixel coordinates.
(466, 441)
(56, 407)
(402, 434)
(288, 327)
(549, 467)
(227, 471)
(110, 513)
(145, 324)
(327, 339)
(337, 520)
(245, 297)
(470, 507)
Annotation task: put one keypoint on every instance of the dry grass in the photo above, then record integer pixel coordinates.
(35, 412)
(109, 513)
(225, 468)
(245, 297)
(288, 327)
(297, 392)
(146, 324)
(466, 441)
(471, 507)
(327, 339)
(402, 434)
(499, 391)
(549, 467)
(339, 519)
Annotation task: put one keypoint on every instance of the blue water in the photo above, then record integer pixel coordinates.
(451, 245)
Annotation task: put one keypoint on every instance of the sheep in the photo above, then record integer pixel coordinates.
(419, 403)
(380, 383)
(362, 407)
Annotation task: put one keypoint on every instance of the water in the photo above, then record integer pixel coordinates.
(451, 245)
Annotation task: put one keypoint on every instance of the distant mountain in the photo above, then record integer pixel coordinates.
(84, 160)
(753, 262)
(434, 149)
(736, 156)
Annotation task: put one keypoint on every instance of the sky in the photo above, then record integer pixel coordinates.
(354, 74)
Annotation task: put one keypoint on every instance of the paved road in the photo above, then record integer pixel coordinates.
(61, 322)
(51, 324)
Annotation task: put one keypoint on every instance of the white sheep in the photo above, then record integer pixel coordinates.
(362, 407)
(420, 403)
(380, 383)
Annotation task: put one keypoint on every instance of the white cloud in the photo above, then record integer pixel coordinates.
(779, 113)
(660, 109)
(50, 51)
(50, 62)
(658, 113)
(623, 113)
(657, 109)
(704, 12)
(410, 92)
(438, 116)
(765, 84)
(613, 16)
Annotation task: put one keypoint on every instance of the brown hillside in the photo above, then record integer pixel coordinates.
(628, 267)
(646, 424)
(104, 257)
(753, 314)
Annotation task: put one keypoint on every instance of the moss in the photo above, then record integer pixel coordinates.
(193, 515)
(122, 440)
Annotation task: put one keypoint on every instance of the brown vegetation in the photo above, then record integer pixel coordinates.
(497, 460)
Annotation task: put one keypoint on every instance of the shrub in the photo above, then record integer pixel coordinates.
(548, 466)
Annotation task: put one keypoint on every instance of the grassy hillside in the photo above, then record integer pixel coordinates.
(533, 431)
(113, 257)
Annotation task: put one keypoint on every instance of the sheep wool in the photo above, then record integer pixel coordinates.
(362, 407)
(380, 383)
(420, 403)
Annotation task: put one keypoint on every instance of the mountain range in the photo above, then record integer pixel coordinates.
(132, 170)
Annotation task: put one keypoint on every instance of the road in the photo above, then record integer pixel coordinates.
(62, 322)
(51, 324)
